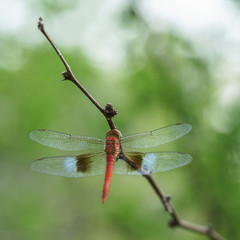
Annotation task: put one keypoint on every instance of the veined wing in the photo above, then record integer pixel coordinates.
(156, 137)
(72, 166)
(151, 162)
(66, 141)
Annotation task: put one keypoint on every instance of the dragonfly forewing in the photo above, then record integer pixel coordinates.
(156, 137)
(66, 141)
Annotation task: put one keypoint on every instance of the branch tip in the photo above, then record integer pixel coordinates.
(110, 112)
(40, 24)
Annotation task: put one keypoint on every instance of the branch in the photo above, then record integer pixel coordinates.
(175, 221)
(109, 112)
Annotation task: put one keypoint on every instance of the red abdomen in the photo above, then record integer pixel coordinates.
(112, 146)
(108, 176)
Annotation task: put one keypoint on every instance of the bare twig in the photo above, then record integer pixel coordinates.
(109, 112)
(175, 219)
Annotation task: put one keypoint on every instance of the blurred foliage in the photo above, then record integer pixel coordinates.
(163, 81)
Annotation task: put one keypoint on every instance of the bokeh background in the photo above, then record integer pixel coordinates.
(159, 63)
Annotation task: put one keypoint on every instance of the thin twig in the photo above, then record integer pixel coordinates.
(109, 112)
(175, 219)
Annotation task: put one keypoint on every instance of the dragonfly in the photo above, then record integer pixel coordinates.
(104, 155)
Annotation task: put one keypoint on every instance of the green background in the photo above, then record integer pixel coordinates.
(162, 80)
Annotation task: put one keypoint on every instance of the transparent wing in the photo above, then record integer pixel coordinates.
(151, 162)
(156, 137)
(65, 141)
(72, 166)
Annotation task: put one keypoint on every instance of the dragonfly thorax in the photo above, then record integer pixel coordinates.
(112, 143)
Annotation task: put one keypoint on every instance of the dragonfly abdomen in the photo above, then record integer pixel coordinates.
(108, 176)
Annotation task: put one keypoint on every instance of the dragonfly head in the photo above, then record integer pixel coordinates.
(114, 133)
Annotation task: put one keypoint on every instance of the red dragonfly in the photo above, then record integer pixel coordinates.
(105, 157)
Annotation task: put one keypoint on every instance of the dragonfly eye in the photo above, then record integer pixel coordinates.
(114, 133)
